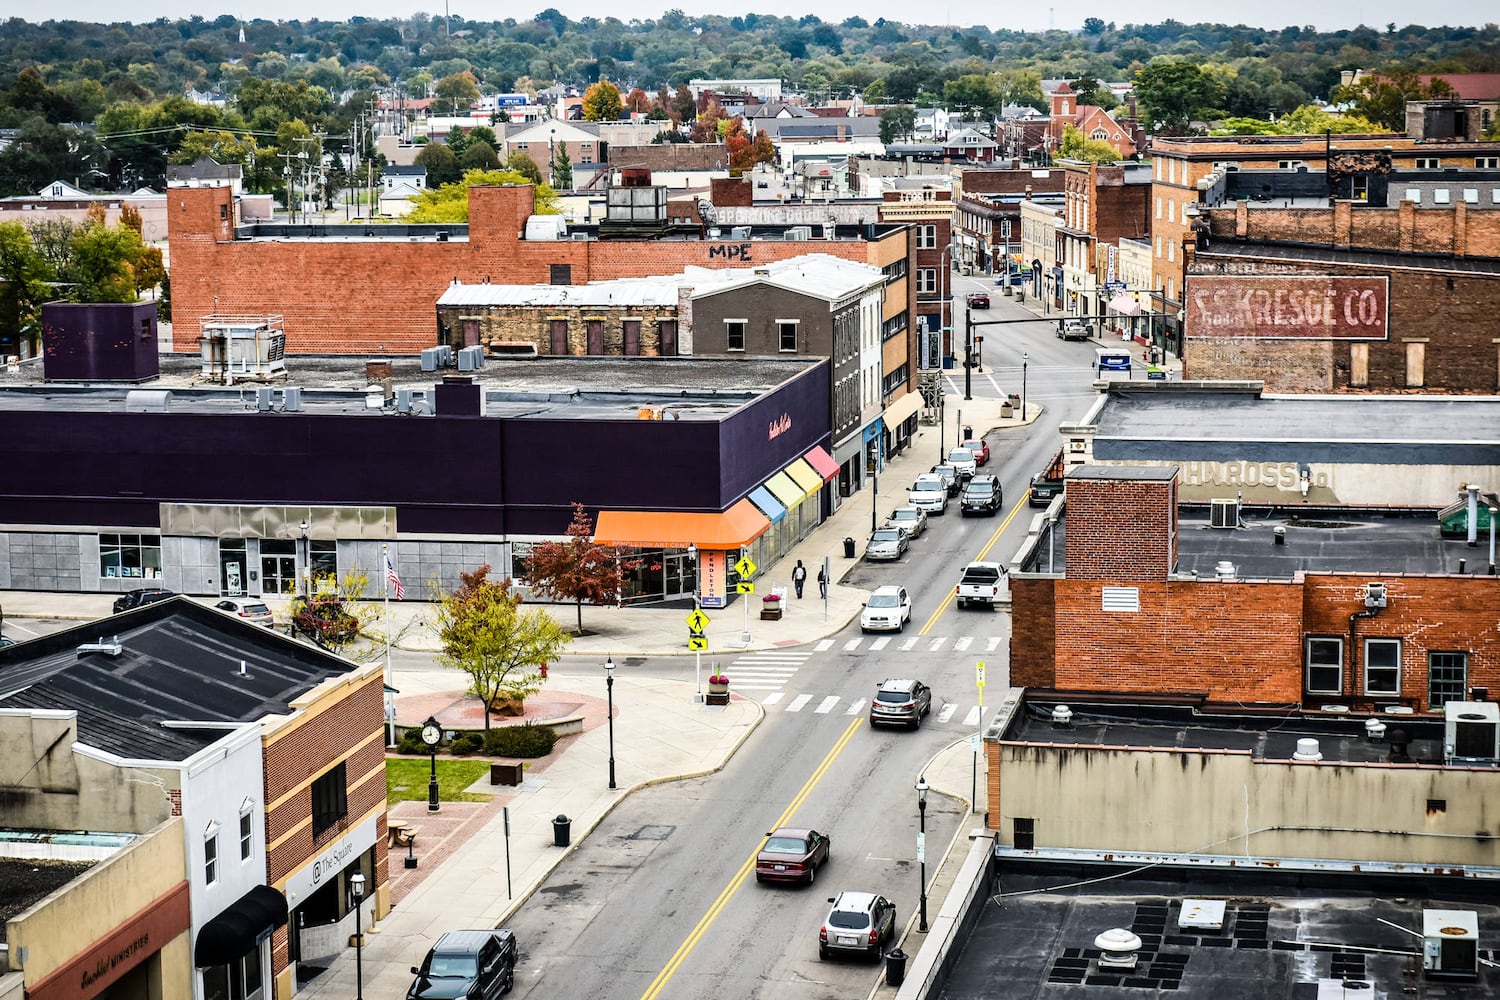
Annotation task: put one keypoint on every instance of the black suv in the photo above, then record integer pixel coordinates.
(983, 495)
(473, 965)
(140, 598)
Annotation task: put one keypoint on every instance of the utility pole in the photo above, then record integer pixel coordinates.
(286, 174)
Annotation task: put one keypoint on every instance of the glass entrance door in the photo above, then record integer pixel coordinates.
(278, 566)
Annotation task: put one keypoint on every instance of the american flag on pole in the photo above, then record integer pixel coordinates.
(393, 579)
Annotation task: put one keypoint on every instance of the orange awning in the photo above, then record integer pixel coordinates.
(737, 526)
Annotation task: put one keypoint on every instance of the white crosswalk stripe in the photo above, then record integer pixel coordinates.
(972, 719)
(827, 704)
(855, 707)
(937, 644)
(880, 644)
(799, 702)
(773, 697)
(852, 645)
(962, 643)
(824, 646)
(907, 646)
(946, 712)
(991, 644)
(767, 670)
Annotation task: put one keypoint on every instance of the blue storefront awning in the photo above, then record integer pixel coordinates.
(768, 505)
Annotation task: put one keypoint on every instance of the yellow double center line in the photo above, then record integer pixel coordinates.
(678, 957)
(943, 605)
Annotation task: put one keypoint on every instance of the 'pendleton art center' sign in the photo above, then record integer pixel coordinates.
(1288, 307)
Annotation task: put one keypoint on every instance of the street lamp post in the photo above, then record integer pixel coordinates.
(609, 688)
(357, 887)
(1023, 387)
(922, 850)
(306, 561)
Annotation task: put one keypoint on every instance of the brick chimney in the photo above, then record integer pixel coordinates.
(1121, 523)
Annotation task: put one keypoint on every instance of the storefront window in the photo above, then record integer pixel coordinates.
(239, 981)
(135, 556)
(520, 554)
(325, 558)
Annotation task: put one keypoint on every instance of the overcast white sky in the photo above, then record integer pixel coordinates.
(1326, 16)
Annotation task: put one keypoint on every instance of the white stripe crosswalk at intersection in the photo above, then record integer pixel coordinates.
(768, 670)
(962, 643)
(857, 706)
(937, 644)
(852, 644)
(991, 644)
(880, 644)
(829, 704)
(946, 712)
(907, 646)
(972, 719)
(824, 646)
(773, 697)
(798, 702)
(826, 705)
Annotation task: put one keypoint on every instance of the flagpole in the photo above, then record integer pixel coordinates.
(385, 595)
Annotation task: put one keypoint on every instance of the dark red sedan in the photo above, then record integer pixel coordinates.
(791, 854)
(980, 449)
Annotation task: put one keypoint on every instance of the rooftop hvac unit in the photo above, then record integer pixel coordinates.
(403, 400)
(291, 399)
(799, 234)
(147, 401)
(1224, 513)
(1471, 731)
(263, 399)
(1450, 943)
(740, 233)
(431, 359)
(471, 359)
(445, 355)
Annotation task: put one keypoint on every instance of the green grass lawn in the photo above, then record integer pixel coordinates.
(406, 779)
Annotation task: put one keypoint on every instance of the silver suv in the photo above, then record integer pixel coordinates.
(858, 922)
(900, 703)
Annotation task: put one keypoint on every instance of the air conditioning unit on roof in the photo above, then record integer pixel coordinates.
(1224, 513)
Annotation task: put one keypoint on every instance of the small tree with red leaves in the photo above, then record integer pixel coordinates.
(579, 569)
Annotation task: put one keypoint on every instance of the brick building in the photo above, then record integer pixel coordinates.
(1103, 204)
(1272, 609)
(1347, 298)
(355, 289)
(988, 215)
(929, 211)
(1093, 121)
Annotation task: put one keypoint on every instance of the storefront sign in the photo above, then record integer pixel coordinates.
(779, 426)
(731, 251)
(713, 572)
(91, 972)
(329, 862)
(1288, 307)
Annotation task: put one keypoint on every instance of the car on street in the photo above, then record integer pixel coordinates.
(951, 481)
(887, 610)
(886, 544)
(981, 451)
(6, 641)
(857, 923)
(1073, 328)
(979, 300)
(474, 965)
(912, 520)
(962, 460)
(132, 599)
(250, 609)
(929, 493)
(980, 584)
(900, 702)
(983, 495)
(791, 854)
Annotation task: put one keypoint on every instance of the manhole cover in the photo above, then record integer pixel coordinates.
(652, 831)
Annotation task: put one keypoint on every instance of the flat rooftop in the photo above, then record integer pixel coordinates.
(546, 388)
(1034, 938)
(1112, 723)
(1184, 422)
(27, 881)
(179, 663)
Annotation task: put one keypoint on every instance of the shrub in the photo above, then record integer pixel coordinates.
(466, 744)
(525, 740)
(411, 743)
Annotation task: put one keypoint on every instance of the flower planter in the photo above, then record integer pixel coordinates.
(770, 609)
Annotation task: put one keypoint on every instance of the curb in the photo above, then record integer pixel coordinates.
(530, 890)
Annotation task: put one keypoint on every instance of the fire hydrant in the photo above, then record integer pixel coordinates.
(544, 670)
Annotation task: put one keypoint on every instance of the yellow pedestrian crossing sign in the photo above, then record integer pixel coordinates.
(698, 621)
(698, 642)
(744, 587)
(745, 567)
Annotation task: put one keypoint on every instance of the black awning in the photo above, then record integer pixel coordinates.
(234, 932)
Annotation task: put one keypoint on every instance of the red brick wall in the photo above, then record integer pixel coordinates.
(1231, 641)
(355, 295)
(1121, 529)
(1033, 638)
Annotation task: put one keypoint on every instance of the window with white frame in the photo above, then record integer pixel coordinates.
(927, 237)
(1383, 667)
(247, 829)
(1487, 162)
(926, 280)
(1288, 164)
(1440, 196)
(787, 334)
(1413, 195)
(1471, 196)
(1428, 163)
(1447, 678)
(734, 334)
(211, 854)
(1323, 667)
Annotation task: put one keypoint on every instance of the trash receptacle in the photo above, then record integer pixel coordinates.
(968, 433)
(895, 967)
(562, 829)
(848, 548)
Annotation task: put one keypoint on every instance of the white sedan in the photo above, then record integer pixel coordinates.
(912, 520)
(887, 610)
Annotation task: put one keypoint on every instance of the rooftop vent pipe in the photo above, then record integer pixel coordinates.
(110, 648)
(1062, 717)
(1119, 947)
(1307, 750)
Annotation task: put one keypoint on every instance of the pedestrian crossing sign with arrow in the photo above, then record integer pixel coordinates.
(745, 567)
(698, 621)
(698, 642)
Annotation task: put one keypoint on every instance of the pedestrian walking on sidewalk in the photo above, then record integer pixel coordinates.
(799, 577)
(822, 583)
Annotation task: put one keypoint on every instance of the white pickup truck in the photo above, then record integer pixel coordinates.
(980, 584)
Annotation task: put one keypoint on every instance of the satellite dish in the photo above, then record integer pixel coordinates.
(706, 211)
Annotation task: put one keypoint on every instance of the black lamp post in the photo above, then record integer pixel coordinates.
(609, 687)
(1023, 387)
(922, 850)
(432, 735)
(357, 888)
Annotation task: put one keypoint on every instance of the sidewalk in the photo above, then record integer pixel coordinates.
(657, 630)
